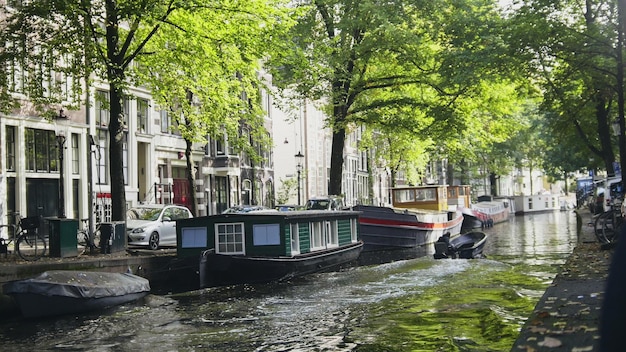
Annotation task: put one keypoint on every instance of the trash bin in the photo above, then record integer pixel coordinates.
(62, 236)
(112, 237)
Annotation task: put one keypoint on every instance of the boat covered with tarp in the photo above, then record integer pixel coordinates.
(58, 292)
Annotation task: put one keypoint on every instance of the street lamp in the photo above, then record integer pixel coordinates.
(299, 158)
(60, 134)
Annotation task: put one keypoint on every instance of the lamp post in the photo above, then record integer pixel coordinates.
(60, 134)
(299, 158)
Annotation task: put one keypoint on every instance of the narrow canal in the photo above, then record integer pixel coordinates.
(415, 305)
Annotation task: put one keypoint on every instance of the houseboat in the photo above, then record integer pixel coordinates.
(419, 216)
(536, 203)
(487, 212)
(459, 197)
(263, 247)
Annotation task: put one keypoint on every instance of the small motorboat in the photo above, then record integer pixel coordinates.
(58, 292)
(466, 246)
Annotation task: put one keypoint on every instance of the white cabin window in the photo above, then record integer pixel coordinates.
(317, 236)
(193, 237)
(331, 234)
(230, 238)
(295, 238)
(266, 234)
(354, 229)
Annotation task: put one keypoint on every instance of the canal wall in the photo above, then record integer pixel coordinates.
(567, 317)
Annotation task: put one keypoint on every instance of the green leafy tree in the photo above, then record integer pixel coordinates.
(209, 78)
(102, 39)
(574, 53)
(417, 57)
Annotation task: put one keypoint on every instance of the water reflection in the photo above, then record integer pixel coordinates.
(420, 304)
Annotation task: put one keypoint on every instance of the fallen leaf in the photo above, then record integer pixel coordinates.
(550, 342)
(543, 314)
(535, 329)
(582, 349)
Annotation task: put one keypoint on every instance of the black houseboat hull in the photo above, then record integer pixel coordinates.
(220, 270)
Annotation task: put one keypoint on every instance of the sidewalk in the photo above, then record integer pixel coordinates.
(567, 317)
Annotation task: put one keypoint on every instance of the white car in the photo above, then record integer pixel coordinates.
(154, 225)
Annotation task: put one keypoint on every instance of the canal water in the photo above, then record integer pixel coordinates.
(412, 305)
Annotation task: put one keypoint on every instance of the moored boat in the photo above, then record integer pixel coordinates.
(536, 203)
(58, 292)
(419, 216)
(466, 246)
(257, 248)
(486, 213)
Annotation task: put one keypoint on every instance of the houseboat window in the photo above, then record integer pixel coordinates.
(426, 194)
(193, 237)
(530, 203)
(229, 238)
(332, 237)
(353, 229)
(404, 195)
(317, 236)
(295, 239)
(266, 234)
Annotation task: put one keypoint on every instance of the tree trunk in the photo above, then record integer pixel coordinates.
(493, 180)
(116, 154)
(191, 177)
(336, 161)
(115, 76)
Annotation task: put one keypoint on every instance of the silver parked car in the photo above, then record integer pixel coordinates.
(154, 225)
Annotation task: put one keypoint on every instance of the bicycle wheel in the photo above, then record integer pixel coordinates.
(602, 227)
(82, 238)
(606, 226)
(30, 246)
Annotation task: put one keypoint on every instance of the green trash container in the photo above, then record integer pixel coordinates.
(112, 237)
(62, 235)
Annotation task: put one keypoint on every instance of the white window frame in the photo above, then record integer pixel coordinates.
(354, 229)
(294, 236)
(318, 238)
(331, 234)
(238, 237)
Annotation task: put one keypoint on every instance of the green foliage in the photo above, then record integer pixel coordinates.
(200, 58)
(288, 188)
(432, 70)
(570, 52)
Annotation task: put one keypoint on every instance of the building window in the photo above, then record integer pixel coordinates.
(10, 146)
(41, 151)
(143, 115)
(125, 112)
(219, 146)
(102, 156)
(125, 157)
(165, 122)
(102, 108)
(229, 238)
(75, 157)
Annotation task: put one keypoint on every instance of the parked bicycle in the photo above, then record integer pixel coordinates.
(607, 224)
(84, 239)
(29, 244)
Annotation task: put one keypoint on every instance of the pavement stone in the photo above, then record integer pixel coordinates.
(567, 317)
